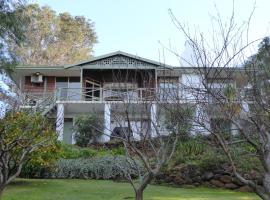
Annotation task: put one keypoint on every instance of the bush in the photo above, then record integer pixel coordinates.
(202, 153)
(42, 165)
(73, 152)
(106, 167)
(88, 129)
(196, 151)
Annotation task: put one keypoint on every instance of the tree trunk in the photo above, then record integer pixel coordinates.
(145, 182)
(266, 184)
(139, 195)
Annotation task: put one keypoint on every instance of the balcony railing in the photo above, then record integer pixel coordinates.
(182, 94)
(102, 94)
(105, 94)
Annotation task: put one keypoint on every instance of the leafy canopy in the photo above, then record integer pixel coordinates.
(54, 39)
(23, 137)
(11, 29)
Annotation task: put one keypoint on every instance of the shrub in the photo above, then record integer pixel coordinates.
(106, 167)
(42, 165)
(191, 147)
(196, 151)
(72, 152)
(88, 129)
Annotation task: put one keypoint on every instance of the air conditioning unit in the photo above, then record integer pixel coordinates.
(37, 78)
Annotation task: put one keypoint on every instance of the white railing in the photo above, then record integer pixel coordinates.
(182, 94)
(125, 95)
(102, 94)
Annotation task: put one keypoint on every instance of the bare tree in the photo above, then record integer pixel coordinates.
(141, 119)
(233, 91)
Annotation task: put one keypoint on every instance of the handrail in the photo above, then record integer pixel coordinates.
(102, 94)
(38, 102)
(98, 94)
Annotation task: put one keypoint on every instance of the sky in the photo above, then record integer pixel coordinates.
(144, 27)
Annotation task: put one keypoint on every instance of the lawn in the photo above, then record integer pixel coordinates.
(108, 190)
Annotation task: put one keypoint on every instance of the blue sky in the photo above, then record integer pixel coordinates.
(139, 26)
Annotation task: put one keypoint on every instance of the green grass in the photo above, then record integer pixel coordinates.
(108, 190)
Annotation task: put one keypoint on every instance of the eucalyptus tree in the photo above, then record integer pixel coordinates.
(53, 39)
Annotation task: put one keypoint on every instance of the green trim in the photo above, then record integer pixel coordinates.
(37, 67)
(151, 62)
(116, 67)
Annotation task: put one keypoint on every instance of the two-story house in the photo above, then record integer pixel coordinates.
(64, 92)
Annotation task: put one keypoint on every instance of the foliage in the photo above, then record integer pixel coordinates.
(178, 120)
(23, 137)
(230, 92)
(11, 29)
(87, 129)
(41, 160)
(202, 153)
(53, 39)
(73, 152)
(43, 163)
(246, 159)
(105, 167)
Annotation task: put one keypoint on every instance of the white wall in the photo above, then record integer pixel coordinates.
(189, 82)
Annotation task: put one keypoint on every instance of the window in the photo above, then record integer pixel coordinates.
(69, 88)
(169, 89)
(74, 92)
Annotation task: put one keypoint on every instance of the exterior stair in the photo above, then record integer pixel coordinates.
(42, 104)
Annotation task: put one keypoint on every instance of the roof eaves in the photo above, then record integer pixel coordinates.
(119, 53)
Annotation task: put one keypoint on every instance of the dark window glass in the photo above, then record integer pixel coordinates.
(74, 79)
(61, 79)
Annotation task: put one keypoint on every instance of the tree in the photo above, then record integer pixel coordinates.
(138, 122)
(21, 136)
(11, 29)
(145, 141)
(246, 107)
(54, 39)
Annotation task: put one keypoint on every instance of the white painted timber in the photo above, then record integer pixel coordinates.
(201, 124)
(190, 83)
(154, 121)
(60, 121)
(107, 123)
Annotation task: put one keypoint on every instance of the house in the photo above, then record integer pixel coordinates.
(106, 82)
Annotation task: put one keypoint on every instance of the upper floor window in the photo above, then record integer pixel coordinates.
(169, 88)
(69, 87)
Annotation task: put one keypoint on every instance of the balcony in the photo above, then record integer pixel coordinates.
(104, 95)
